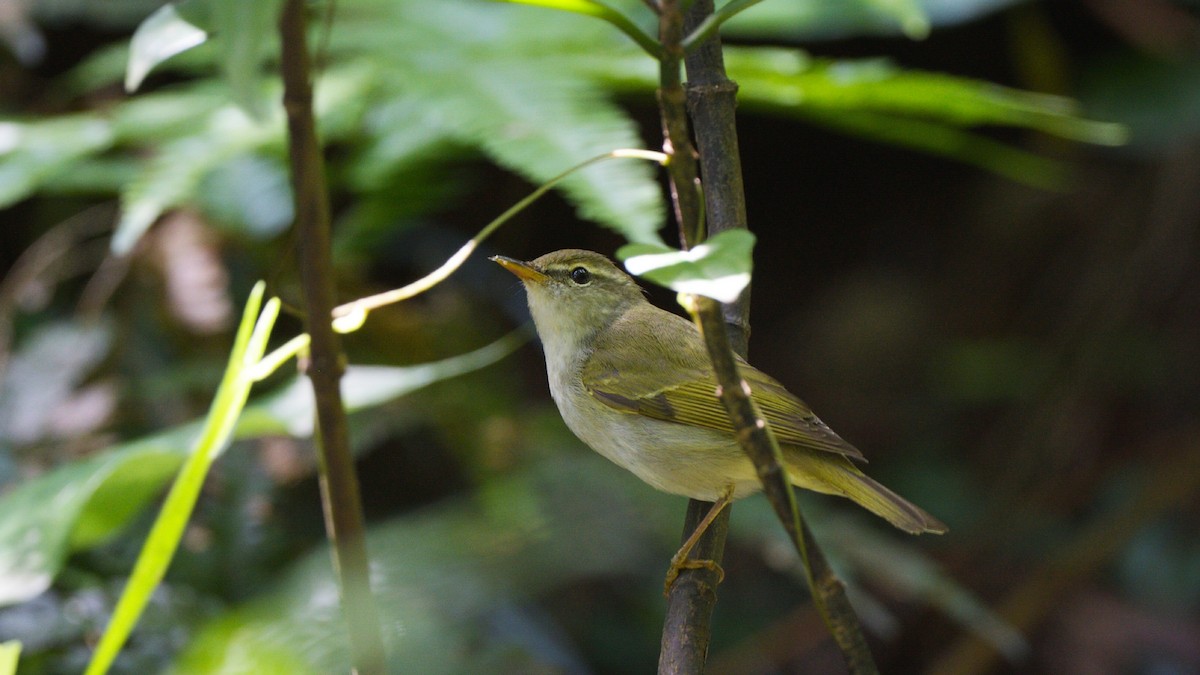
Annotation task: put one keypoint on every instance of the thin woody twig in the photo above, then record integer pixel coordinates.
(339, 484)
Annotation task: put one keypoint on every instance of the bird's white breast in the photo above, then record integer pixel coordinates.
(675, 458)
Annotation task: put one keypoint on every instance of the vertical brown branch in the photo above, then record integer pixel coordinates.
(692, 598)
(339, 485)
(687, 629)
(711, 100)
(677, 142)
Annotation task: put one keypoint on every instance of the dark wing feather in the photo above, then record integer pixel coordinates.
(689, 396)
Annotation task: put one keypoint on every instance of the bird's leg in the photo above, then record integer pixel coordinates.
(681, 561)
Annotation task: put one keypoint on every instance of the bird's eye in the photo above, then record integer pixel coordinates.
(581, 276)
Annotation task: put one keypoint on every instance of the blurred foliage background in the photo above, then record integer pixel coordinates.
(962, 278)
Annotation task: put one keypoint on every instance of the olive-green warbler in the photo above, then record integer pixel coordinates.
(635, 383)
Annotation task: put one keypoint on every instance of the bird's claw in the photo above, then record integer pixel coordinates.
(678, 565)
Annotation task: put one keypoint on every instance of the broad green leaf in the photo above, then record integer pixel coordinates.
(245, 32)
(788, 80)
(250, 191)
(807, 20)
(931, 112)
(39, 518)
(503, 79)
(95, 497)
(10, 653)
(441, 576)
(601, 11)
(1158, 98)
(172, 177)
(162, 35)
(35, 152)
(719, 268)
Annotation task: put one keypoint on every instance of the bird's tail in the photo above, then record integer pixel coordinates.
(835, 475)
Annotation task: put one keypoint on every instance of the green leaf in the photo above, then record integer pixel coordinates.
(719, 268)
(174, 175)
(250, 192)
(95, 497)
(807, 20)
(35, 539)
(907, 14)
(926, 111)
(243, 31)
(787, 80)
(368, 386)
(516, 83)
(1158, 98)
(162, 35)
(441, 575)
(600, 11)
(507, 80)
(246, 32)
(35, 152)
(10, 653)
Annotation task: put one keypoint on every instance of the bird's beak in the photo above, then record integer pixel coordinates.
(523, 270)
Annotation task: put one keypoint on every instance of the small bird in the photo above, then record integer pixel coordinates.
(634, 382)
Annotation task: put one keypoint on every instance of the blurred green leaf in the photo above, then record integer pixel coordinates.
(876, 100)
(907, 14)
(868, 557)
(446, 577)
(1158, 98)
(251, 191)
(35, 152)
(172, 177)
(719, 268)
(514, 82)
(600, 11)
(463, 75)
(93, 498)
(162, 35)
(789, 80)
(39, 518)
(367, 386)
(10, 654)
(245, 32)
(806, 20)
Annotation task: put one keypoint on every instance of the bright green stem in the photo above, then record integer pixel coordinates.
(168, 528)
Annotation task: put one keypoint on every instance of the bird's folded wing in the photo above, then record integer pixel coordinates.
(683, 391)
